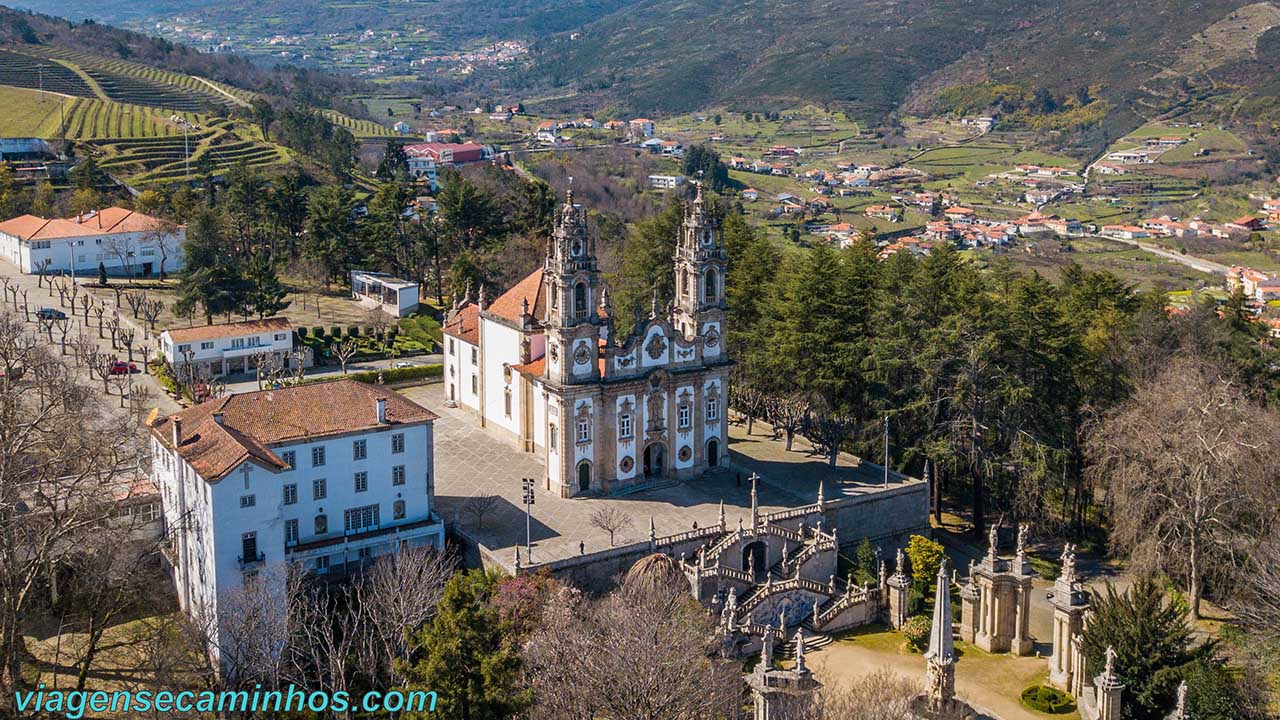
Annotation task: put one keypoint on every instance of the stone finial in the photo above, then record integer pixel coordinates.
(821, 498)
(739, 524)
(483, 301)
(524, 307)
(831, 584)
(941, 643)
(517, 558)
(993, 540)
(722, 523)
(800, 666)
(653, 530)
(883, 574)
(653, 305)
(900, 569)
(926, 471)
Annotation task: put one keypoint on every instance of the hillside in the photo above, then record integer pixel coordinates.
(874, 57)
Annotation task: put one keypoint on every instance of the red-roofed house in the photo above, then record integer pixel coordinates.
(324, 477)
(228, 348)
(125, 242)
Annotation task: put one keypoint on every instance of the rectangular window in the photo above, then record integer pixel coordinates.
(361, 518)
(183, 348)
(506, 401)
(248, 501)
(450, 346)
(362, 481)
(713, 409)
(237, 343)
(249, 547)
(322, 524)
(684, 414)
(397, 443)
(322, 563)
(624, 425)
(317, 456)
(359, 450)
(555, 439)
(319, 490)
(281, 336)
(475, 356)
(365, 553)
(290, 532)
(207, 345)
(397, 475)
(584, 431)
(290, 458)
(475, 385)
(291, 494)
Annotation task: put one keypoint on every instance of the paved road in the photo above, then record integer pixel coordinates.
(1191, 261)
(38, 297)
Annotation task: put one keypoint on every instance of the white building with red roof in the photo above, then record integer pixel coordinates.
(542, 365)
(125, 242)
(228, 348)
(325, 477)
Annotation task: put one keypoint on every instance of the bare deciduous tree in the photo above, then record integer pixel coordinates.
(398, 595)
(51, 484)
(645, 652)
(1188, 468)
(881, 695)
(344, 350)
(787, 414)
(611, 520)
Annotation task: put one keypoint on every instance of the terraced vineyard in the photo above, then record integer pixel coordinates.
(25, 71)
(164, 158)
(357, 127)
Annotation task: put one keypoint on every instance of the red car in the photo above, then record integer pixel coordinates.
(120, 367)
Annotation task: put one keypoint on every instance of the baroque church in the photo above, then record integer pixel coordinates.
(542, 365)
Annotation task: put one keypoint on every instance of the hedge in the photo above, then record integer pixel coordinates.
(389, 375)
(1048, 700)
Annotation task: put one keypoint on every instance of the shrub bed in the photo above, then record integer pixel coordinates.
(1048, 700)
(916, 628)
(395, 375)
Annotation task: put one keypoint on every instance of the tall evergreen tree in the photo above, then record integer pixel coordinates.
(469, 656)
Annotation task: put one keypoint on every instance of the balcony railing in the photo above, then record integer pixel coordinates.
(252, 561)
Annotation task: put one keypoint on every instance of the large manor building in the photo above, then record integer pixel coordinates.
(542, 364)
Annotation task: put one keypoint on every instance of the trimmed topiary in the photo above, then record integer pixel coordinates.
(1046, 699)
(302, 333)
(318, 332)
(336, 331)
(353, 331)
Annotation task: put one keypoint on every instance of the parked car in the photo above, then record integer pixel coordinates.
(120, 367)
(48, 313)
(404, 364)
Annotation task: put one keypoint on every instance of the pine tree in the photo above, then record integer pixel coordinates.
(266, 295)
(469, 657)
(647, 267)
(1153, 643)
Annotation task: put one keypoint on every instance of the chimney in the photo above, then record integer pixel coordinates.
(382, 410)
(177, 431)
(217, 417)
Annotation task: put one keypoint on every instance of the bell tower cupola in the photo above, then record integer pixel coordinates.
(700, 261)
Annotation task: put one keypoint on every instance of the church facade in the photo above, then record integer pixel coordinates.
(541, 364)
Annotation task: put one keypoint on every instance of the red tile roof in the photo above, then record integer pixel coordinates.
(465, 324)
(253, 422)
(509, 303)
(223, 330)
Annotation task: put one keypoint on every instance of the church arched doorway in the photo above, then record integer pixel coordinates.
(584, 476)
(713, 453)
(654, 460)
(754, 560)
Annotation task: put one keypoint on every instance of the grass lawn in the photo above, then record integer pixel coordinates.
(25, 113)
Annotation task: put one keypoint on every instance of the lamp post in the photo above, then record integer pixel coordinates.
(528, 515)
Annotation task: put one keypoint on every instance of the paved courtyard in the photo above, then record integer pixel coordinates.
(471, 461)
